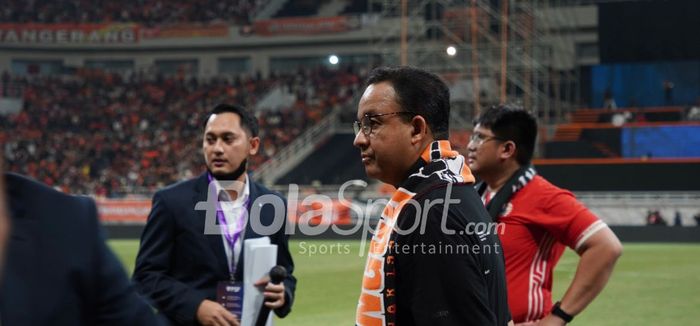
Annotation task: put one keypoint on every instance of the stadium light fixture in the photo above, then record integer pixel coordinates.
(333, 59)
(451, 50)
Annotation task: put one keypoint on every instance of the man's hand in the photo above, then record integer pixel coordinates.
(213, 313)
(551, 320)
(274, 293)
(529, 323)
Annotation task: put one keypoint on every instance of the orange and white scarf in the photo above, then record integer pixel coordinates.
(438, 164)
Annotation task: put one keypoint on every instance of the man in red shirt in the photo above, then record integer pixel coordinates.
(539, 219)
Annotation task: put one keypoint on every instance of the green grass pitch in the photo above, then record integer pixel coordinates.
(653, 284)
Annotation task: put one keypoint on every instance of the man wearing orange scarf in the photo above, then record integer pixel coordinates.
(434, 258)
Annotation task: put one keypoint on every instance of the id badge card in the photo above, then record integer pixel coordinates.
(230, 295)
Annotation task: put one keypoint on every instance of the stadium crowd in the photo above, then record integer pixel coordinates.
(148, 12)
(101, 133)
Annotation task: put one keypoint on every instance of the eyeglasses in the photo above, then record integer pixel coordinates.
(366, 125)
(479, 139)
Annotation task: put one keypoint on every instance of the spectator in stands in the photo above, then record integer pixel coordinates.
(179, 265)
(402, 132)
(137, 129)
(540, 220)
(149, 12)
(58, 269)
(668, 92)
(694, 111)
(654, 218)
(697, 219)
(677, 219)
(609, 99)
(620, 118)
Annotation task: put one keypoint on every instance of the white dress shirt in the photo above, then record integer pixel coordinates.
(232, 212)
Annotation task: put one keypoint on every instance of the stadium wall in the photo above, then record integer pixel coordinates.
(662, 141)
(642, 84)
(622, 174)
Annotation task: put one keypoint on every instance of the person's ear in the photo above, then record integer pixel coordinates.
(419, 129)
(508, 149)
(254, 145)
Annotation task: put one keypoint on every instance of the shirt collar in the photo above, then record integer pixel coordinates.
(241, 198)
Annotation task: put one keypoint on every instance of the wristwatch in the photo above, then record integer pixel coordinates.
(556, 310)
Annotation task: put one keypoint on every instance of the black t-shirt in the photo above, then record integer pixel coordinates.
(447, 279)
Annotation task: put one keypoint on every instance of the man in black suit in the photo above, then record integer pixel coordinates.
(180, 263)
(58, 269)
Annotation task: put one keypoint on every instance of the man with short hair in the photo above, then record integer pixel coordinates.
(423, 267)
(540, 220)
(179, 265)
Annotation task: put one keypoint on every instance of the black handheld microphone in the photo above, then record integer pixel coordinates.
(277, 274)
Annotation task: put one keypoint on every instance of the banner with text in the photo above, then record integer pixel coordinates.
(124, 211)
(185, 31)
(305, 26)
(68, 34)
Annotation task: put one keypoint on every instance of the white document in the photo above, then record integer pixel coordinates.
(260, 257)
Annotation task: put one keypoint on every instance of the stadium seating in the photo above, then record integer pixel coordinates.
(299, 8)
(149, 12)
(101, 133)
(333, 162)
(361, 6)
(604, 133)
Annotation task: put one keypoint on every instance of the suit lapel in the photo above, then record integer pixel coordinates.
(214, 241)
(254, 194)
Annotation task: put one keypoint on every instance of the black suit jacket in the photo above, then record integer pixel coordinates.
(178, 265)
(59, 271)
